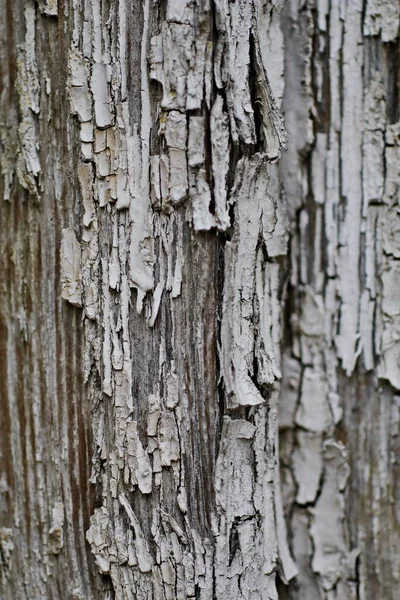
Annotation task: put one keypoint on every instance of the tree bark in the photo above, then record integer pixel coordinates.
(199, 350)
(339, 413)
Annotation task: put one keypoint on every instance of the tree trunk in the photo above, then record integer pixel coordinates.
(199, 347)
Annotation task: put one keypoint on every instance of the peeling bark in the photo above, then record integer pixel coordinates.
(199, 349)
(337, 460)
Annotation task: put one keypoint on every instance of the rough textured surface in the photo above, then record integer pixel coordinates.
(46, 439)
(341, 354)
(128, 185)
(158, 350)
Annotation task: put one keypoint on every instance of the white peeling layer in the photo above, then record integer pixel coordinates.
(156, 302)
(289, 392)
(175, 133)
(201, 201)
(288, 566)
(332, 559)
(250, 530)
(95, 28)
(98, 537)
(307, 465)
(255, 223)
(219, 126)
(388, 230)
(367, 310)
(313, 412)
(101, 96)
(85, 176)
(177, 279)
(107, 307)
(195, 141)
(389, 367)
(271, 43)
(349, 243)
(180, 59)
(373, 143)
(141, 251)
(392, 161)
(233, 56)
(70, 257)
(168, 439)
(199, 188)
(273, 136)
(382, 17)
(7, 547)
(56, 531)
(138, 460)
(234, 488)
(180, 11)
(267, 339)
(122, 47)
(140, 254)
(79, 95)
(234, 21)
(170, 52)
(27, 84)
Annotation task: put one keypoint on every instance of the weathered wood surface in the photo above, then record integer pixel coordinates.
(170, 284)
(340, 410)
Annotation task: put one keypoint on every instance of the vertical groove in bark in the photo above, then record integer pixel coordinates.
(341, 350)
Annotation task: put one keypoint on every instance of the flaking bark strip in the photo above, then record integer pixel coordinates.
(28, 163)
(70, 257)
(247, 303)
(56, 532)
